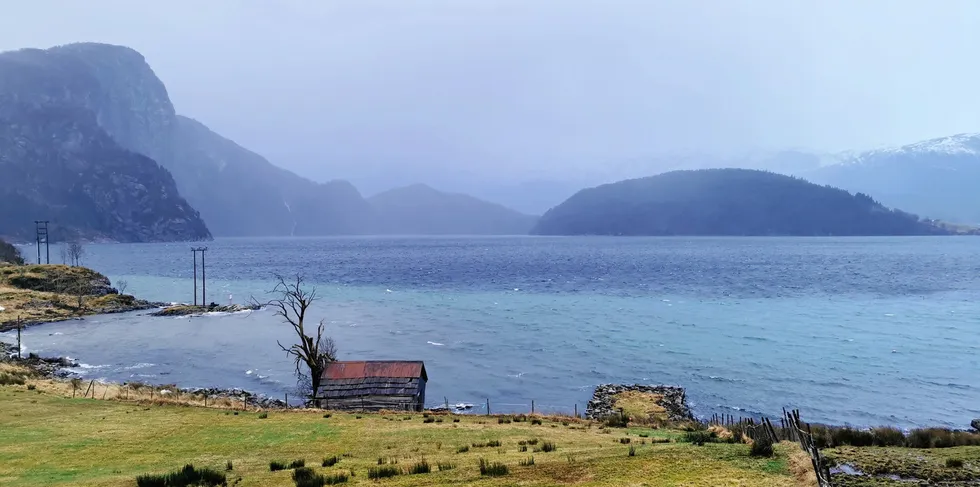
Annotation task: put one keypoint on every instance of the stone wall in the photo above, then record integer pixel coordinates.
(674, 400)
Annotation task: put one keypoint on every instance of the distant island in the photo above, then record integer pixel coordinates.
(735, 202)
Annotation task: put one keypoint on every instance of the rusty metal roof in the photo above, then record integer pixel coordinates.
(375, 368)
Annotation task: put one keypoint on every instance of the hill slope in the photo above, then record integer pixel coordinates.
(422, 210)
(725, 202)
(935, 178)
(59, 164)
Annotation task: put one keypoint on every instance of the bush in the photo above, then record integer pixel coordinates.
(446, 466)
(184, 477)
(263, 415)
(522, 448)
(615, 421)
(386, 461)
(548, 447)
(853, 437)
(430, 419)
(762, 447)
(699, 438)
(632, 452)
(888, 436)
(420, 468)
(303, 473)
(229, 466)
(455, 420)
(920, 438)
(330, 461)
(31, 387)
(494, 443)
(382, 472)
(275, 466)
(532, 441)
(528, 462)
(536, 421)
(495, 469)
(337, 478)
(624, 441)
(503, 420)
(954, 463)
(463, 449)
(297, 463)
(326, 416)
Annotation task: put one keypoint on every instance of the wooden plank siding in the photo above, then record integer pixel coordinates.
(371, 386)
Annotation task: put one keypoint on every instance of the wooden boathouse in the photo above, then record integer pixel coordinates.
(373, 385)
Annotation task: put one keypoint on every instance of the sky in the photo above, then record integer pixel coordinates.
(388, 92)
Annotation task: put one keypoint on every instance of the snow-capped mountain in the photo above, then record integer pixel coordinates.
(936, 178)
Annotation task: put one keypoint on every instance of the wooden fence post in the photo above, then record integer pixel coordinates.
(488, 406)
(532, 406)
(576, 410)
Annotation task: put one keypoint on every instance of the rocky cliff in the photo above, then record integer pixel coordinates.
(59, 163)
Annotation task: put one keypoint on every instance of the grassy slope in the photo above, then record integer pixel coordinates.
(34, 305)
(48, 439)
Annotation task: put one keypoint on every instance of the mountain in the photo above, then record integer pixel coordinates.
(935, 178)
(422, 210)
(726, 202)
(59, 164)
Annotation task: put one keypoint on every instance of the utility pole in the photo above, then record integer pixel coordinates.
(204, 285)
(41, 235)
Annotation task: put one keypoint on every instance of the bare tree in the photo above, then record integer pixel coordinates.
(122, 285)
(313, 352)
(72, 253)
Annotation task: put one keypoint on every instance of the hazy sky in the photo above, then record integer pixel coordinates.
(525, 89)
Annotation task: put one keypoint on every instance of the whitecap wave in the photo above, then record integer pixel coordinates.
(436, 344)
(140, 365)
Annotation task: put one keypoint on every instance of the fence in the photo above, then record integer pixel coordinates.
(791, 428)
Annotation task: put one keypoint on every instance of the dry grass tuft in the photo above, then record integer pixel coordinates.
(800, 465)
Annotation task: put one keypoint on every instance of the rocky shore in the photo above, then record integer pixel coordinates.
(673, 400)
(191, 310)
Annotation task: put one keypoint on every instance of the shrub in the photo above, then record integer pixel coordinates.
(229, 466)
(303, 473)
(382, 472)
(429, 420)
(888, 436)
(503, 420)
(632, 452)
(520, 418)
(386, 461)
(564, 423)
(495, 469)
(643, 435)
(548, 447)
(297, 463)
(615, 421)
(528, 462)
(463, 449)
(954, 463)
(532, 441)
(438, 420)
(493, 443)
(31, 387)
(263, 415)
(337, 478)
(522, 448)
(699, 438)
(184, 477)
(536, 421)
(479, 445)
(275, 466)
(326, 416)
(455, 420)
(762, 447)
(330, 461)
(407, 418)
(624, 441)
(853, 437)
(420, 468)
(446, 466)
(357, 417)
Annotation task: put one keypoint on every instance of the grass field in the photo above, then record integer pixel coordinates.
(49, 439)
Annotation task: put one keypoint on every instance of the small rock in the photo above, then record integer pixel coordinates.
(975, 424)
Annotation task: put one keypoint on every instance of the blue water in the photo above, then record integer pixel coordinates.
(863, 331)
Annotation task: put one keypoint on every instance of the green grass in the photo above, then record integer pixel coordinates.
(931, 465)
(109, 443)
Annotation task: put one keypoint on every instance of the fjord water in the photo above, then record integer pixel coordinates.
(863, 331)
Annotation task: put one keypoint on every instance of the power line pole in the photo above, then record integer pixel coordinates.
(202, 250)
(41, 235)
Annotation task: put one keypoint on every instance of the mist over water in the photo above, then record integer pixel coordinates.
(861, 331)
